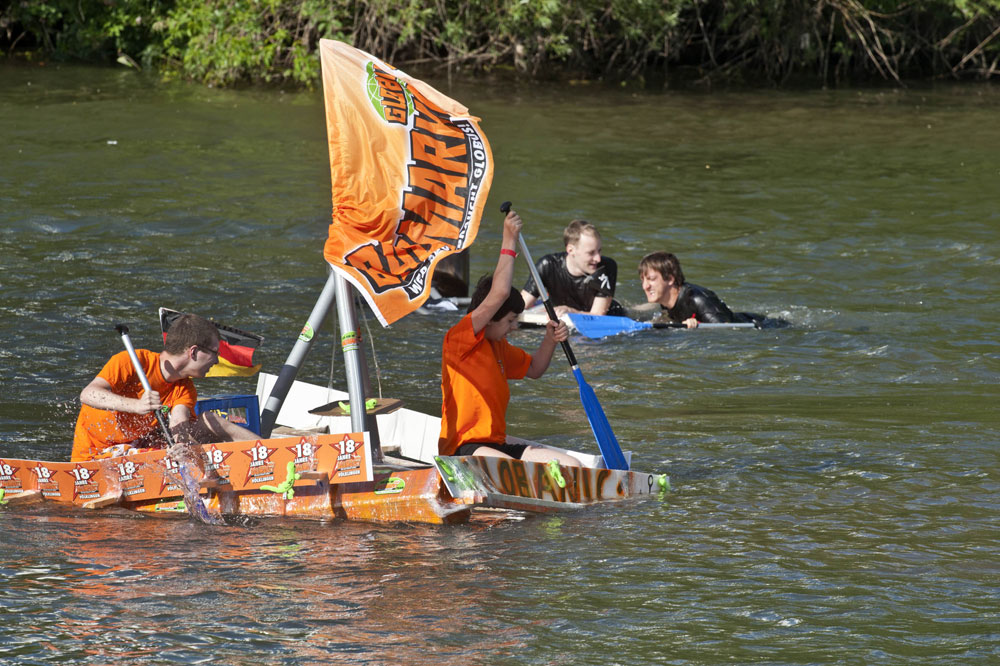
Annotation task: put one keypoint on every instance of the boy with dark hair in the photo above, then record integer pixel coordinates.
(682, 302)
(477, 362)
(118, 416)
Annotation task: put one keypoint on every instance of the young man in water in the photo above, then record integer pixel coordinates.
(682, 302)
(118, 416)
(477, 362)
(580, 279)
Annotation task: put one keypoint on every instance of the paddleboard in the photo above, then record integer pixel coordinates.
(537, 318)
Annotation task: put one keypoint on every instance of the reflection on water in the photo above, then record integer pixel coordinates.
(136, 589)
(835, 482)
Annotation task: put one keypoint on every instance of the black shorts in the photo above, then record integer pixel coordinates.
(512, 450)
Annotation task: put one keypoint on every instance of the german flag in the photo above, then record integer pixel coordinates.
(236, 347)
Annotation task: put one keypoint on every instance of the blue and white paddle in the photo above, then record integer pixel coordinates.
(601, 326)
(613, 456)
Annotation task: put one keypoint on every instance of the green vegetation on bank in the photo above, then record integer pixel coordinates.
(274, 41)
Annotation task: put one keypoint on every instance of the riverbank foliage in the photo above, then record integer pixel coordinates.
(823, 42)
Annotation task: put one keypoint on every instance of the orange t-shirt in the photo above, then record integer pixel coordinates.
(474, 374)
(98, 429)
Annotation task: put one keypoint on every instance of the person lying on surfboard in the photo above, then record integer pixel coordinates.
(118, 416)
(682, 302)
(580, 279)
(477, 362)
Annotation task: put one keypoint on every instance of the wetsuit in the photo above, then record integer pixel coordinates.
(577, 292)
(705, 306)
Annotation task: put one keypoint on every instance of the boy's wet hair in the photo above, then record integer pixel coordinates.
(577, 228)
(190, 331)
(664, 263)
(514, 302)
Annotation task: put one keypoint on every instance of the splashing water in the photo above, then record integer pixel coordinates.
(184, 456)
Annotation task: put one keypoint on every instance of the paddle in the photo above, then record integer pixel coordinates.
(613, 456)
(192, 500)
(601, 326)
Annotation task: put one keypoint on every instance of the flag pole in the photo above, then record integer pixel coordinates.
(355, 365)
(336, 289)
(297, 357)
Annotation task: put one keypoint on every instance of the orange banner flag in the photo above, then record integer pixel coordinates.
(410, 170)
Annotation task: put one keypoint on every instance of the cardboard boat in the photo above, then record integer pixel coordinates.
(266, 478)
(323, 476)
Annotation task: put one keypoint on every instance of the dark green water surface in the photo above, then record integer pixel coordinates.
(836, 483)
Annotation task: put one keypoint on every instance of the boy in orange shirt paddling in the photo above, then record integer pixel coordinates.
(477, 362)
(118, 416)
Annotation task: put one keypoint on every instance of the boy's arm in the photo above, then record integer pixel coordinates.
(180, 414)
(99, 394)
(555, 332)
(600, 306)
(503, 275)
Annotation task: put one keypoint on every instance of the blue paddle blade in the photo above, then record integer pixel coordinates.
(597, 326)
(606, 440)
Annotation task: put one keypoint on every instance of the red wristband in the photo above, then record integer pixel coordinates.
(509, 253)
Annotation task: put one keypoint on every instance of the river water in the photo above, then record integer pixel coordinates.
(835, 482)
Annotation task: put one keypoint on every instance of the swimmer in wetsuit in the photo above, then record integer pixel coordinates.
(579, 279)
(683, 302)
